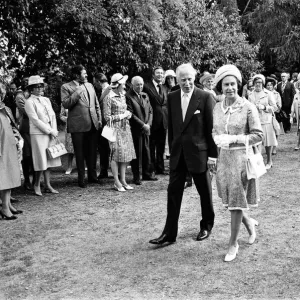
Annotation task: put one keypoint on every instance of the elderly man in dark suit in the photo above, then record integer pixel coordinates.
(190, 115)
(287, 92)
(139, 105)
(84, 121)
(158, 94)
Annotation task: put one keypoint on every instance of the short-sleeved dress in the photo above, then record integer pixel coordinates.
(241, 118)
(122, 150)
(10, 175)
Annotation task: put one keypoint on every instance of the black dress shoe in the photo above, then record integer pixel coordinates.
(82, 185)
(188, 184)
(94, 181)
(203, 234)
(103, 175)
(137, 181)
(150, 178)
(162, 239)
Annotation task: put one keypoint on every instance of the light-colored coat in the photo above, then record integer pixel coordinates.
(295, 110)
(42, 119)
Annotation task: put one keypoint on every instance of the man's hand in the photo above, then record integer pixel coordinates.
(212, 165)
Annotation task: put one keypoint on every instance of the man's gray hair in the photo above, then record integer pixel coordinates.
(135, 78)
(185, 67)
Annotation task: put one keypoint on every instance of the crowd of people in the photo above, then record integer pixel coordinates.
(203, 124)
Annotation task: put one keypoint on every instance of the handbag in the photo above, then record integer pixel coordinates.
(255, 166)
(276, 125)
(56, 150)
(109, 132)
(281, 116)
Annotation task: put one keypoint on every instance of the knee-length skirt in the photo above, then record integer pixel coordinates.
(269, 138)
(236, 191)
(41, 161)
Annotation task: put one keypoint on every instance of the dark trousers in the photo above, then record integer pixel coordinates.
(104, 151)
(85, 148)
(157, 148)
(175, 192)
(143, 158)
(286, 123)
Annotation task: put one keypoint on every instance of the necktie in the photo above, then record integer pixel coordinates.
(185, 103)
(283, 86)
(160, 90)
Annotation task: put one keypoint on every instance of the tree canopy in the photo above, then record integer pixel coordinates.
(128, 36)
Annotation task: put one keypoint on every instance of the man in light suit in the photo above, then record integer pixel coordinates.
(139, 105)
(84, 121)
(158, 94)
(190, 123)
(287, 92)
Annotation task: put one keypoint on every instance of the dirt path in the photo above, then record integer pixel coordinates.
(93, 243)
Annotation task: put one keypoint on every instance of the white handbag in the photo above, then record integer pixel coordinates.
(56, 150)
(255, 166)
(109, 132)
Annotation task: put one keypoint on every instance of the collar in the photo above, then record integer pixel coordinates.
(156, 83)
(139, 95)
(237, 105)
(189, 94)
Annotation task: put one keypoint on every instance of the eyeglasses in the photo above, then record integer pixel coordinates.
(39, 87)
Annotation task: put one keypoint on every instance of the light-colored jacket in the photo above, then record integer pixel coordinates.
(267, 99)
(295, 109)
(42, 119)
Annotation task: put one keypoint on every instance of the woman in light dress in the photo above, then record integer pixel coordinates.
(43, 133)
(235, 120)
(266, 106)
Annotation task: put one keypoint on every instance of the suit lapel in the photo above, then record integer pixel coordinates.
(194, 102)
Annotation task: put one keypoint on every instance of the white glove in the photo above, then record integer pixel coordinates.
(261, 106)
(224, 140)
(54, 133)
(21, 144)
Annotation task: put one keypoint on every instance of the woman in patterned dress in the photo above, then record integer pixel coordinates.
(116, 113)
(266, 106)
(235, 120)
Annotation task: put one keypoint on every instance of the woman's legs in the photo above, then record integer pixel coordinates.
(37, 183)
(236, 220)
(47, 182)
(115, 172)
(70, 161)
(269, 154)
(5, 197)
(122, 173)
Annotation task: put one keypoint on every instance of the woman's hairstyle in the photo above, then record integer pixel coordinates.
(2, 90)
(76, 70)
(219, 84)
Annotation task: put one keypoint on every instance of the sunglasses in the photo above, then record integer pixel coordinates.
(39, 87)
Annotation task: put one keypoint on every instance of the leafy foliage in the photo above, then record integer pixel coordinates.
(127, 36)
(275, 25)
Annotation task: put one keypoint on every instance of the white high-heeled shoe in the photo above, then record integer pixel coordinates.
(127, 187)
(252, 236)
(230, 257)
(121, 189)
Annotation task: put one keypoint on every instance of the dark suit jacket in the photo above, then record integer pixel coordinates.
(83, 110)
(158, 104)
(193, 136)
(141, 111)
(287, 95)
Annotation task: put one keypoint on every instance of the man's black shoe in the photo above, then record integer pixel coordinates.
(203, 234)
(103, 175)
(94, 181)
(137, 181)
(150, 178)
(162, 239)
(82, 185)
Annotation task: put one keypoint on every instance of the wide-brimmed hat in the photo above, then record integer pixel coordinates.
(170, 73)
(117, 79)
(36, 79)
(259, 76)
(206, 76)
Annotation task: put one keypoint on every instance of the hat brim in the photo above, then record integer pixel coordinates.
(205, 77)
(121, 81)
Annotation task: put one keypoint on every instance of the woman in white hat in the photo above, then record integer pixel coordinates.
(207, 80)
(266, 106)
(43, 131)
(235, 121)
(169, 80)
(115, 112)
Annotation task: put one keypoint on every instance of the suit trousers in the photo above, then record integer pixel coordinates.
(104, 151)
(143, 158)
(286, 123)
(157, 148)
(85, 149)
(175, 192)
